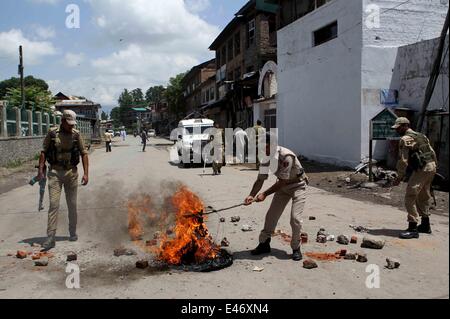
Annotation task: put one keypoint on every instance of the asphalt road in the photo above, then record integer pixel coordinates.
(424, 270)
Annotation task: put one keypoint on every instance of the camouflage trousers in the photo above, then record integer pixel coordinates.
(418, 193)
(57, 179)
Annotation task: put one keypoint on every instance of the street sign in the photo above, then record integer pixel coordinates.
(381, 129)
(381, 126)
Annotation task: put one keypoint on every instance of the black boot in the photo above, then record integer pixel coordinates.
(297, 255)
(49, 244)
(425, 227)
(411, 232)
(263, 248)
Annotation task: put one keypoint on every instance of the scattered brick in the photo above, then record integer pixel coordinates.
(21, 254)
(141, 264)
(309, 264)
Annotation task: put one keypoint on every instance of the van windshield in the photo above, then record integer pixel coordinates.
(190, 130)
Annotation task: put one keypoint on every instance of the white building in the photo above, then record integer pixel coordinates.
(333, 63)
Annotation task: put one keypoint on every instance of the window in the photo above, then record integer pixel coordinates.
(250, 33)
(230, 49)
(326, 34)
(237, 44)
(224, 55)
(212, 93)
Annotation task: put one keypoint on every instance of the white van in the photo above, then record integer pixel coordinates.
(190, 131)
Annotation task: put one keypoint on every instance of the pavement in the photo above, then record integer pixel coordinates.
(114, 177)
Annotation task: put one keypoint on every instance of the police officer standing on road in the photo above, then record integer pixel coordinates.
(62, 149)
(415, 153)
(291, 184)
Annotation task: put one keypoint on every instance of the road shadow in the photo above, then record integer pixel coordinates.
(385, 232)
(41, 240)
(246, 255)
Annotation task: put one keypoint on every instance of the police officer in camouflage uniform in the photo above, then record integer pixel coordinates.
(417, 155)
(62, 149)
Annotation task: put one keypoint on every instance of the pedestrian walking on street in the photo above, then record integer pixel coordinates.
(416, 155)
(241, 145)
(108, 141)
(218, 144)
(123, 134)
(144, 138)
(291, 185)
(62, 149)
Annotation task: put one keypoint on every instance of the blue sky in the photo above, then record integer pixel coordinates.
(120, 44)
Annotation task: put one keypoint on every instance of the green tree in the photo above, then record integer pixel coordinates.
(174, 95)
(125, 99)
(104, 116)
(138, 97)
(115, 117)
(15, 83)
(35, 98)
(155, 94)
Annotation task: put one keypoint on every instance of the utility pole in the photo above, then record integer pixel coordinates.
(434, 73)
(22, 84)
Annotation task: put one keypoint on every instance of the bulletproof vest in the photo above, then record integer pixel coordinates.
(57, 156)
(422, 153)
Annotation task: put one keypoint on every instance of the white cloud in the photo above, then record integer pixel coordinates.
(154, 41)
(197, 6)
(44, 33)
(72, 60)
(34, 51)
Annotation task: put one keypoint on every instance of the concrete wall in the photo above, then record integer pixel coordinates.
(319, 88)
(19, 148)
(412, 72)
(399, 24)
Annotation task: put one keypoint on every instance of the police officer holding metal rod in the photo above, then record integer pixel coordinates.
(62, 149)
(291, 185)
(416, 154)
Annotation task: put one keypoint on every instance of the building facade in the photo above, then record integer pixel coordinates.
(335, 60)
(85, 109)
(242, 49)
(194, 93)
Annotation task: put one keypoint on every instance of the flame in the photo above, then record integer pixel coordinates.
(186, 242)
(192, 241)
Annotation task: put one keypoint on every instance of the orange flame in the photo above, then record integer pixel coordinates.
(187, 242)
(192, 243)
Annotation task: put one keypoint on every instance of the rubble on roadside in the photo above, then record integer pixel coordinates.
(372, 243)
(123, 252)
(309, 264)
(343, 240)
(42, 262)
(392, 263)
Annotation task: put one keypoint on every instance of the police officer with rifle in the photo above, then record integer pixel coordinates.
(62, 149)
